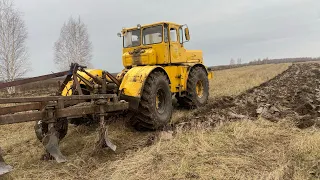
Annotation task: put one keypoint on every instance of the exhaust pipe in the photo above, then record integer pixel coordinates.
(4, 168)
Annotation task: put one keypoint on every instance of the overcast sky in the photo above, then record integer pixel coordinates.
(223, 29)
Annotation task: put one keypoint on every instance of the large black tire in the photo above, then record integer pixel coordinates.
(41, 128)
(155, 108)
(197, 89)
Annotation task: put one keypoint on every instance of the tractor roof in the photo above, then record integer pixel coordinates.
(152, 24)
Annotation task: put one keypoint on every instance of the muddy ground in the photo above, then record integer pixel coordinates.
(293, 94)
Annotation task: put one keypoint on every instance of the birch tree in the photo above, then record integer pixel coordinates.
(232, 62)
(13, 51)
(73, 45)
(239, 61)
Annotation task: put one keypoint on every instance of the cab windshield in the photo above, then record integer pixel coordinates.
(152, 35)
(132, 38)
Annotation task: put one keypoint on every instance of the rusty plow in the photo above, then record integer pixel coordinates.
(103, 129)
(51, 143)
(52, 113)
(4, 168)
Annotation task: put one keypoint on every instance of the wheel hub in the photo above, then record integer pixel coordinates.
(160, 101)
(199, 89)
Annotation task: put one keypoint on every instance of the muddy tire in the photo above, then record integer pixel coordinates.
(197, 89)
(41, 128)
(155, 108)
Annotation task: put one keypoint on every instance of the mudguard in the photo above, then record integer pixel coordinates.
(133, 82)
(209, 72)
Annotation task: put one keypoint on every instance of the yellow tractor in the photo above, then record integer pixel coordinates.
(156, 66)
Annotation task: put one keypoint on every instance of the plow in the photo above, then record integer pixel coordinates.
(51, 113)
(157, 68)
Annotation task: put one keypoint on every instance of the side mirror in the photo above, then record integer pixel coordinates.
(186, 33)
(119, 34)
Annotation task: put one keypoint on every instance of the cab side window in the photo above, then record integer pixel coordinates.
(173, 35)
(180, 35)
(166, 35)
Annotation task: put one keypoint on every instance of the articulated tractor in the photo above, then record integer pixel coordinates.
(157, 66)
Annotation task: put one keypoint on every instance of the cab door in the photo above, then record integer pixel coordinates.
(177, 51)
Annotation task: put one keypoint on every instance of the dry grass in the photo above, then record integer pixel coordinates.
(238, 150)
(24, 151)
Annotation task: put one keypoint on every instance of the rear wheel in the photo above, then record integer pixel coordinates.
(197, 89)
(155, 108)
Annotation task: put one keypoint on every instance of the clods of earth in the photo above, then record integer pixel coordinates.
(292, 95)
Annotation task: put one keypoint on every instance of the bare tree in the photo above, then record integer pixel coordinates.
(232, 62)
(239, 61)
(13, 52)
(73, 45)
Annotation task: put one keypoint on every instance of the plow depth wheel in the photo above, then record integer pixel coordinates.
(41, 128)
(50, 136)
(155, 108)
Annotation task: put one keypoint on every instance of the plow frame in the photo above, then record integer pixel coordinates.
(61, 106)
(49, 109)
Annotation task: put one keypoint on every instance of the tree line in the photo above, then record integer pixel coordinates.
(284, 60)
(73, 44)
(233, 64)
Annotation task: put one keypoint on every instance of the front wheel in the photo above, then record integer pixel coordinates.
(155, 108)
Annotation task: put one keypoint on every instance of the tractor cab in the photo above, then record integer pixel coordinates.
(156, 44)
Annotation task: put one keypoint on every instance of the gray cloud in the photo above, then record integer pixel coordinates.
(247, 29)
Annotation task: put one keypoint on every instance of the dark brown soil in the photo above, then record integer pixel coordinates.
(293, 94)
